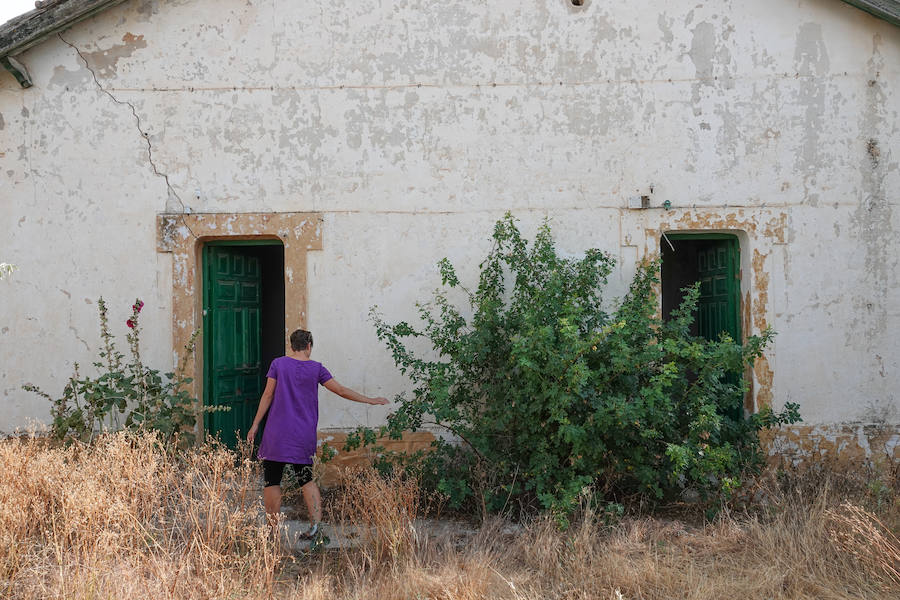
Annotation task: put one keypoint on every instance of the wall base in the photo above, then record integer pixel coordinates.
(410, 442)
(844, 443)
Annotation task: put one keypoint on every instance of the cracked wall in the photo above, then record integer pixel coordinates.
(411, 129)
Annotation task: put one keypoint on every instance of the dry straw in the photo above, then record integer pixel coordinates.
(127, 518)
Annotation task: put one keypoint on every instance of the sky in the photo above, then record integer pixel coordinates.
(14, 8)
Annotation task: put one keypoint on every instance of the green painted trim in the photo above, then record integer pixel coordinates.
(207, 279)
(259, 242)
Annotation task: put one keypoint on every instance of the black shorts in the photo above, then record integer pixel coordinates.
(273, 470)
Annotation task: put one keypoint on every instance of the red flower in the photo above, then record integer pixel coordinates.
(130, 323)
(137, 306)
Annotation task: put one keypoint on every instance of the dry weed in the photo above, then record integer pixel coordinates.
(125, 518)
(380, 511)
(862, 535)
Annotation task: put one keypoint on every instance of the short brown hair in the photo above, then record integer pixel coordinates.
(300, 340)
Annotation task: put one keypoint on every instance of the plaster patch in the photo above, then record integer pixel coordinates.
(664, 22)
(64, 78)
(872, 221)
(812, 65)
(711, 59)
(104, 62)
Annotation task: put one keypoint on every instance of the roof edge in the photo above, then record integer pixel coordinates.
(25, 31)
(888, 10)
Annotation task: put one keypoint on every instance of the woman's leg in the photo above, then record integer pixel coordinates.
(313, 499)
(272, 502)
(272, 473)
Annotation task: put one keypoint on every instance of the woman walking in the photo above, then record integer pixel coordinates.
(291, 398)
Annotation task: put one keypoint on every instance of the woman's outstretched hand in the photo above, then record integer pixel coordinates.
(378, 400)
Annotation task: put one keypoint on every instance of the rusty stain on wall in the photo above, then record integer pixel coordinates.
(760, 301)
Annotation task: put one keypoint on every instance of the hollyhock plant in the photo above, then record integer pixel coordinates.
(126, 393)
(135, 310)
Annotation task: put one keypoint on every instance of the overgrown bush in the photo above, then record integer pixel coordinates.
(125, 394)
(548, 394)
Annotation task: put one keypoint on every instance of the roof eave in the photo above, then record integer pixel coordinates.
(888, 10)
(32, 28)
(25, 31)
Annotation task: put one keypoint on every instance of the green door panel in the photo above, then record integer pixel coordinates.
(718, 308)
(232, 333)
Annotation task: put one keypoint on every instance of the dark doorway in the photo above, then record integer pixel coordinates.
(714, 261)
(243, 327)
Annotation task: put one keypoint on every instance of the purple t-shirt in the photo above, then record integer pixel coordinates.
(290, 433)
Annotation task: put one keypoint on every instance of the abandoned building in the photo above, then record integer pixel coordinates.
(298, 163)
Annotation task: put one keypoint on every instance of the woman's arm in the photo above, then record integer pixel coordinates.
(344, 392)
(264, 403)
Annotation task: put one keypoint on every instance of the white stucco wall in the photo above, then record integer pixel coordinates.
(413, 126)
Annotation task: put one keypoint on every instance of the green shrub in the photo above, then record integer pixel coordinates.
(549, 395)
(125, 394)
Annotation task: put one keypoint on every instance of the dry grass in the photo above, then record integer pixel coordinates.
(380, 513)
(124, 519)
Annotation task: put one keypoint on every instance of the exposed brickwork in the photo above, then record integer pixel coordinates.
(410, 443)
(849, 443)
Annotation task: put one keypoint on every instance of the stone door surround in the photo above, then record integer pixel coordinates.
(184, 235)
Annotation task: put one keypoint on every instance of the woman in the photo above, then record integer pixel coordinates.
(291, 398)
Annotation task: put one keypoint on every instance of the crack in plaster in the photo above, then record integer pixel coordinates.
(144, 135)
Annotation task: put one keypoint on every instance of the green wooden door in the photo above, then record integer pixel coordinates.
(718, 308)
(719, 305)
(232, 304)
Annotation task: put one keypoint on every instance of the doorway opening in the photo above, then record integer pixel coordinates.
(715, 261)
(243, 329)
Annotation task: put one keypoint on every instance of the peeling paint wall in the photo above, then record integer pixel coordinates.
(410, 128)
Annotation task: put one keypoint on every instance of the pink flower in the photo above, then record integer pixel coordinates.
(137, 306)
(130, 323)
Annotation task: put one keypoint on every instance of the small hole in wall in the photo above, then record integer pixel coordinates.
(577, 2)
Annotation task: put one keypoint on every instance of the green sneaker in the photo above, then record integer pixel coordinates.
(317, 538)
